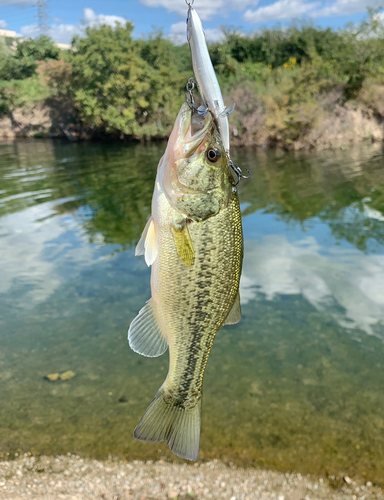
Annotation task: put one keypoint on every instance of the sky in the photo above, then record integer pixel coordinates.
(67, 18)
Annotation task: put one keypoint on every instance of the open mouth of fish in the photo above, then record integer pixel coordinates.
(191, 132)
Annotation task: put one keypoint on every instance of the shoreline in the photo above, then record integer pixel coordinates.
(344, 126)
(71, 477)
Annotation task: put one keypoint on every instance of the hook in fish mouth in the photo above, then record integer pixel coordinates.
(185, 137)
(202, 111)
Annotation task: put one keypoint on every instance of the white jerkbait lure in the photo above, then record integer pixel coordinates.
(205, 76)
(208, 85)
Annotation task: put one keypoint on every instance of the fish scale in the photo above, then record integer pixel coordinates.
(200, 292)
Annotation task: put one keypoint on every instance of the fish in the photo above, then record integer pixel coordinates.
(205, 76)
(194, 243)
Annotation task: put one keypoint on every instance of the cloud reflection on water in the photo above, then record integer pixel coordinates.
(39, 250)
(346, 283)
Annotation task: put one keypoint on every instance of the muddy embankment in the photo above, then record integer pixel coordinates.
(51, 118)
(328, 121)
(330, 125)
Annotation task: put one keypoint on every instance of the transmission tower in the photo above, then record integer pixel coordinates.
(42, 17)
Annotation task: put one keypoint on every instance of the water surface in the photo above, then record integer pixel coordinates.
(297, 384)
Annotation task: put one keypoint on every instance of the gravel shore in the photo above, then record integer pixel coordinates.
(71, 477)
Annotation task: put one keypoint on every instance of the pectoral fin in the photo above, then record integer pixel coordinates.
(144, 334)
(234, 315)
(183, 243)
(147, 245)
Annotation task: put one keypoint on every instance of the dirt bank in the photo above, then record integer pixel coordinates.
(52, 118)
(329, 123)
(70, 477)
(331, 126)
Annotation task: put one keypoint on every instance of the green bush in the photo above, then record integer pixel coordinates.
(22, 64)
(17, 69)
(19, 93)
(127, 86)
(39, 49)
(275, 46)
(57, 76)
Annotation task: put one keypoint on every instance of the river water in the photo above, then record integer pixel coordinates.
(297, 384)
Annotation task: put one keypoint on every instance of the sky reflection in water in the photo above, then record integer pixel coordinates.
(297, 384)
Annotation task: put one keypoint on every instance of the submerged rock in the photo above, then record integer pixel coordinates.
(53, 377)
(67, 375)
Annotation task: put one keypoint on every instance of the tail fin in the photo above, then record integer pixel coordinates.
(179, 426)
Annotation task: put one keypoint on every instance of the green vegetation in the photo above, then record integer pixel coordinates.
(284, 82)
(124, 86)
(19, 82)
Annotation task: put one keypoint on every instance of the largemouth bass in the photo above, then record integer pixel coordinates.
(205, 75)
(194, 243)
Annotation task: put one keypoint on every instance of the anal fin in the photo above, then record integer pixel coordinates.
(144, 334)
(234, 315)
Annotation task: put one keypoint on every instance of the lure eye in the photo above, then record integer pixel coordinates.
(213, 155)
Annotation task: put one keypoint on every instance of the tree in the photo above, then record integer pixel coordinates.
(124, 85)
(22, 64)
(39, 49)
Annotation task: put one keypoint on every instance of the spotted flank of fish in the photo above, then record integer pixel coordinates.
(194, 243)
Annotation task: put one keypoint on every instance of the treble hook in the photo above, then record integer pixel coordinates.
(238, 171)
(189, 2)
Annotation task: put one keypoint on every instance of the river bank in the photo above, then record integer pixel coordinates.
(335, 126)
(301, 87)
(71, 477)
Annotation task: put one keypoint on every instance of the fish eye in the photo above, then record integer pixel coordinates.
(213, 155)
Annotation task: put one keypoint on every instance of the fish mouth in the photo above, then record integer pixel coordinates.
(192, 131)
(184, 143)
